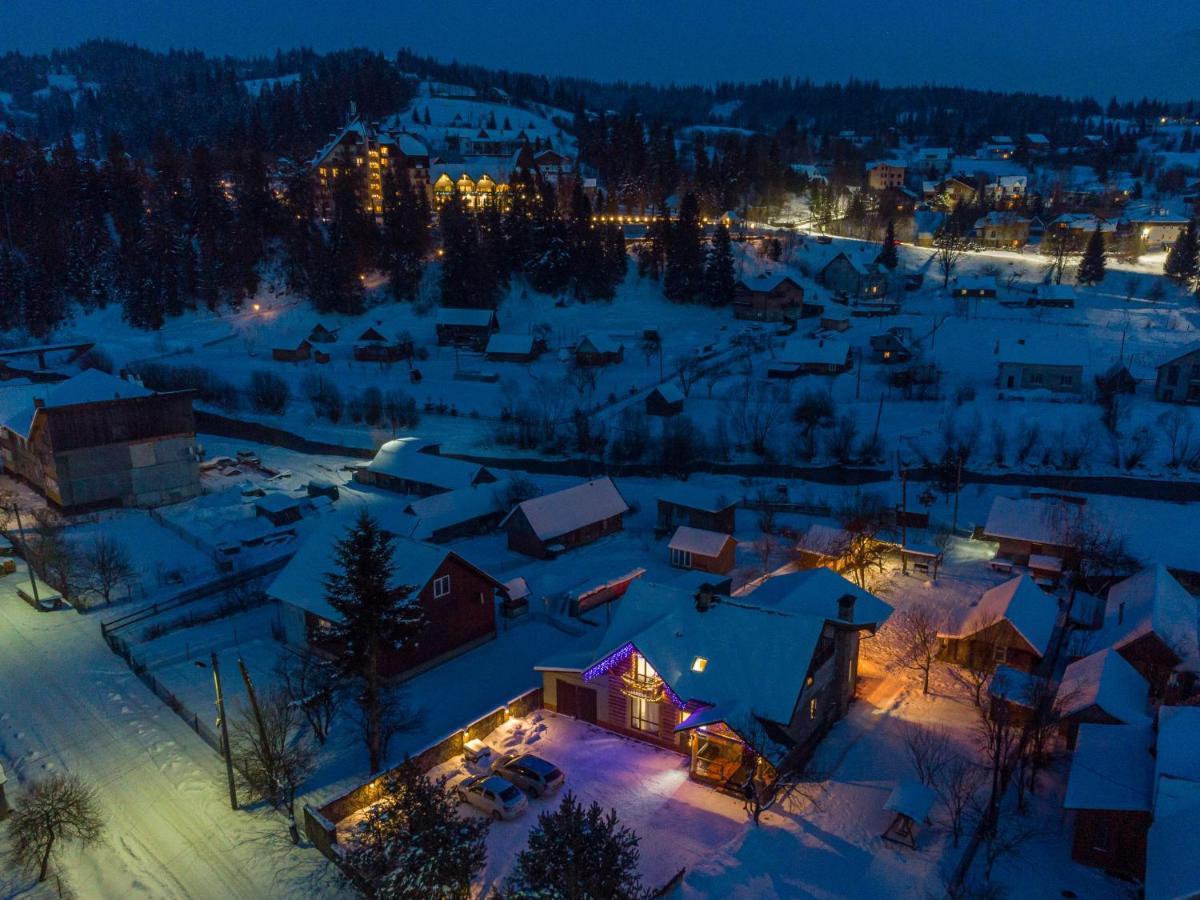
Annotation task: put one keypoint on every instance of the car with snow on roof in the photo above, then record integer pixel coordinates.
(492, 794)
(531, 773)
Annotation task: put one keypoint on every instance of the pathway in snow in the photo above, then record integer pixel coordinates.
(68, 704)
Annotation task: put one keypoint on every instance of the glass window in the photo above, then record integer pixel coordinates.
(643, 715)
(441, 586)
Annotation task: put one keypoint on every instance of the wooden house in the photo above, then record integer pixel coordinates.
(680, 503)
(666, 400)
(1032, 526)
(1110, 793)
(812, 356)
(374, 346)
(1039, 366)
(97, 440)
(692, 672)
(413, 466)
(595, 349)
(457, 599)
(1010, 625)
(465, 327)
(292, 350)
(1178, 379)
(853, 278)
(1100, 689)
(543, 527)
(974, 287)
(1150, 620)
(465, 511)
(771, 297)
(892, 347)
(1059, 296)
(708, 551)
(521, 348)
(320, 334)
(1002, 229)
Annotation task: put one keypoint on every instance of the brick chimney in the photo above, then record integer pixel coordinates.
(846, 607)
(704, 598)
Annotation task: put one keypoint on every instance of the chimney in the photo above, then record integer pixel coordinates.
(846, 607)
(39, 402)
(704, 598)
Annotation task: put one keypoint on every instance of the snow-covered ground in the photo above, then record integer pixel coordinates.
(68, 704)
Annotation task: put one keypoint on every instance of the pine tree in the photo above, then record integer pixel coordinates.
(405, 235)
(577, 854)
(684, 278)
(1091, 267)
(889, 258)
(465, 281)
(719, 281)
(377, 617)
(414, 844)
(1182, 260)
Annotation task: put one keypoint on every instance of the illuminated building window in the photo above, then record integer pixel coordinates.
(699, 664)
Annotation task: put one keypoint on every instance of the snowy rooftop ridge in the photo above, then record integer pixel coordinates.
(1104, 679)
(1020, 602)
(698, 541)
(18, 403)
(1113, 768)
(559, 513)
(1152, 601)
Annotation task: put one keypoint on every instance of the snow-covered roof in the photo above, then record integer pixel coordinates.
(911, 798)
(698, 541)
(1180, 352)
(409, 144)
(1001, 217)
(559, 513)
(510, 343)
(681, 493)
(403, 458)
(1052, 291)
(859, 266)
(599, 343)
(1020, 602)
(826, 540)
(1152, 601)
(1042, 352)
(451, 508)
(894, 163)
(819, 351)
(975, 283)
(1113, 768)
(818, 592)
(767, 281)
(302, 581)
(1107, 681)
(461, 317)
(1040, 521)
(18, 401)
(278, 501)
(1014, 686)
(670, 392)
(1035, 137)
(1176, 757)
(1172, 870)
(497, 168)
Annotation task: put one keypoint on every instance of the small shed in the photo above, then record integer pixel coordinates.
(596, 349)
(321, 334)
(708, 551)
(466, 327)
(976, 286)
(278, 509)
(292, 351)
(665, 400)
(511, 348)
(911, 802)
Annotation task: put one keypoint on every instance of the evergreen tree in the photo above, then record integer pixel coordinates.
(719, 280)
(414, 844)
(1183, 259)
(405, 235)
(334, 266)
(684, 277)
(1091, 267)
(376, 617)
(577, 854)
(888, 257)
(464, 280)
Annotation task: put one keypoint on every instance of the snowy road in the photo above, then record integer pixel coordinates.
(67, 703)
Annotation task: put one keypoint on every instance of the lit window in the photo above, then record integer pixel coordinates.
(812, 709)
(699, 664)
(441, 586)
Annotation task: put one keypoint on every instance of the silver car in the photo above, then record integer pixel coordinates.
(493, 795)
(532, 773)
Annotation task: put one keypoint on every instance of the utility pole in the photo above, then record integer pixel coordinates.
(28, 560)
(233, 804)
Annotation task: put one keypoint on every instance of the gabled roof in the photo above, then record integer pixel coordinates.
(405, 459)
(1180, 352)
(819, 351)
(859, 266)
(1113, 768)
(1107, 681)
(699, 541)
(451, 508)
(18, 401)
(1152, 601)
(1040, 521)
(818, 592)
(767, 281)
(669, 391)
(559, 513)
(825, 540)
(516, 344)
(1027, 608)
(460, 317)
(599, 343)
(681, 493)
(1178, 752)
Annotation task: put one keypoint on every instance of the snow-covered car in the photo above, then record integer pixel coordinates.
(496, 796)
(532, 773)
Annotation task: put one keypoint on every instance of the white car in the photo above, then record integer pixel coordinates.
(532, 773)
(499, 798)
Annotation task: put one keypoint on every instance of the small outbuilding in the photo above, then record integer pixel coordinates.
(708, 551)
(595, 349)
(666, 400)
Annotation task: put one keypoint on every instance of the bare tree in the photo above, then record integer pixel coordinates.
(999, 741)
(764, 548)
(1058, 244)
(974, 675)
(862, 517)
(311, 685)
(687, 370)
(757, 410)
(108, 566)
(813, 410)
(915, 637)
(950, 250)
(1177, 427)
(57, 811)
(1008, 838)
(270, 752)
(957, 784)
(713, 376)
(928, 749)
(769, 787)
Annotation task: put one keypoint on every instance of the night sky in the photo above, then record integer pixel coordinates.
(1127, 48)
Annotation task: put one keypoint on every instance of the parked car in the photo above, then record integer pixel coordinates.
(496, 796)
(532, 773)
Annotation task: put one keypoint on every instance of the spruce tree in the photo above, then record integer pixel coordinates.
(577, 854)
(376, 617)
(1091, 267)
(889, 258)
(719, 281)
(405, 235)
(684, 278)
(1182, 259)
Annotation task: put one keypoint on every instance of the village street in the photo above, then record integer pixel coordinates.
(68, 704)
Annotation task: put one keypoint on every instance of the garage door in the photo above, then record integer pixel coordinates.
(576, 700)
